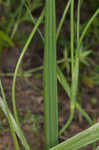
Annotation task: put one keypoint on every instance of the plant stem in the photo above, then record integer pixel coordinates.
(19, 62)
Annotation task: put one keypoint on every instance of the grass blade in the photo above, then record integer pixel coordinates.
(82, 139)
(4, 107)
(63, 18)
(19, 62)
(13, 125)
(62, 80)
(50, 78)
(74, 82)
(85, 30)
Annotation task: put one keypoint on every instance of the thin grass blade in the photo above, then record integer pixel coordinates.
(15, 141)
(63, 18)
(19, 62)
(14, 125)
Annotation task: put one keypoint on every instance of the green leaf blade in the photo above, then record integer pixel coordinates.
(82, 139)
(50, 78)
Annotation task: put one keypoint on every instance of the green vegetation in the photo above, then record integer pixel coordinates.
(75, 56)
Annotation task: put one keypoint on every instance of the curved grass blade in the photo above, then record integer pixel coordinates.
(19, 62)
(67, 89)
(74, 80)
